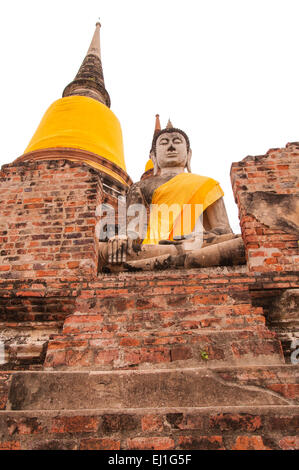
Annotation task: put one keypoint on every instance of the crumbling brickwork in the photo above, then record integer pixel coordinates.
(47, 220)
(266, 189)
(47, 232)
(182, 359)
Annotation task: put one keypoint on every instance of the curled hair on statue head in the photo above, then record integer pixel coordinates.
(169, 131)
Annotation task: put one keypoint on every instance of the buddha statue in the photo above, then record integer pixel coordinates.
(184, 222)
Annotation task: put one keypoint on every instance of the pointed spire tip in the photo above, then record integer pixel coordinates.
(90, 77)
(157, 123)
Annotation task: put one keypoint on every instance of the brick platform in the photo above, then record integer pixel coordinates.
(165, 320)
(183, 359)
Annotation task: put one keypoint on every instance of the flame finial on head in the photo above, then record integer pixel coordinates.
(169, 124)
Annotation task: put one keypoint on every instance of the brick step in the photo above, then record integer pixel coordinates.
(146, 298)
(164, 321)
(158, 349)
(157, 292)
(205, 428)
(272, 385)
(216, 317)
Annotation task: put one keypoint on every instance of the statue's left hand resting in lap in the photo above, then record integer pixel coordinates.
(179, 240)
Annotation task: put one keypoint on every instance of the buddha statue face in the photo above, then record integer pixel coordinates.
(171, 151)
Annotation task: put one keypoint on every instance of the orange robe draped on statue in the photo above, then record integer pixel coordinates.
(178, 204)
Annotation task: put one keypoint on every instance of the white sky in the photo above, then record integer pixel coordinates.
(225, 71)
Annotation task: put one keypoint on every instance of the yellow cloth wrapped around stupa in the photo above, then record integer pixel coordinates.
(186, 196)
(149, 165)
(81, 122)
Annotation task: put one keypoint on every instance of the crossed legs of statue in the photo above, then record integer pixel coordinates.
(216, 246)
(223, 250)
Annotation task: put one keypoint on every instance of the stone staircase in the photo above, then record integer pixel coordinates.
(190, 320)
(155, 409)
(157, 361)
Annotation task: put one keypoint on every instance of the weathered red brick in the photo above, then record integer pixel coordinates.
(129, 342)
(150, 443)
(235, 422)
(106, 357)
(212, 299)
(152, 423)
(74, 424)
(250, 443)
(99, 444)
(24, 426)
(287, 390)
(200, 443)
(289, 443)
(10, 445)
(4, 267)
(184, 421)
(181, 353)
(115, 423)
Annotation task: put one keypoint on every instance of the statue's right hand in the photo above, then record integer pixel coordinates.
(118, 249)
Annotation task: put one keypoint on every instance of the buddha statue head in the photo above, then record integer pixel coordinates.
(171, 150)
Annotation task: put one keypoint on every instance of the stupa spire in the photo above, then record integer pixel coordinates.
(89, 80)
(157, 124)
(157, 129)
(95, 46)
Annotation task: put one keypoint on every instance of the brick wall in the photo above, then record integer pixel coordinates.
(47, 233)
(47, 220)
(201, 333)
(266, 189)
